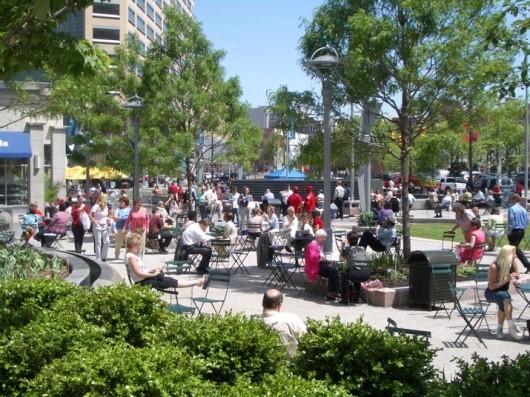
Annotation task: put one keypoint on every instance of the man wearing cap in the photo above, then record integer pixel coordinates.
(385, 236)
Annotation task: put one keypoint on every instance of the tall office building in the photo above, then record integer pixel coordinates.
(109, 23)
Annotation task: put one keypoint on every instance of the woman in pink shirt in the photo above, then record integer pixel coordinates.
(138, 222)
(316, 264)
(473, 250)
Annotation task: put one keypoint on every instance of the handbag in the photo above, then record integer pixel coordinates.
(85, 221)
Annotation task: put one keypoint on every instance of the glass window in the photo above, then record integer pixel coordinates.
(14, 181)
(106, 33)
(107, 7)
(132, 17)
(159, 39)
(140, 24)
(141, 4)
(158, 3)
(150, 11)
(150, 33)
(158, 20)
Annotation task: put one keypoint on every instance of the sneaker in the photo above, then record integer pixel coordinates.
(515, 332)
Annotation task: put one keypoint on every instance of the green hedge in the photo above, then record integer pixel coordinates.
(366, 361)
(233, 345)
(60, 340)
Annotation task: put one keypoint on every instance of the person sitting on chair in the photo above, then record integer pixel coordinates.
(492, 233)
(159, 230)
(317, 265)
(357, 261)
(255, 223)
(474, 249)
(304, 226)
(230, 230)
(155, 277)
(386, 233)
(501, 272)
(446, 203)
(193, 239)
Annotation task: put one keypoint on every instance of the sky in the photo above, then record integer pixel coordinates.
(260, 38)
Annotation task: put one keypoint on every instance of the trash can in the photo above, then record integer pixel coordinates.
(430, 273)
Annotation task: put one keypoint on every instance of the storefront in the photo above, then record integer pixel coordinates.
(15, 156)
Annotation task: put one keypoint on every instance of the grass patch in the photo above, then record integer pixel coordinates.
(434, 231)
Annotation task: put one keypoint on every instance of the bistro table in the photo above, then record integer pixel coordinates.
(524, 291)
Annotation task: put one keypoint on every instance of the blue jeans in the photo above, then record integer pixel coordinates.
(497, 297)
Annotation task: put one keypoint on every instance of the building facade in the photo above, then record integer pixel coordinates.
(33, 148)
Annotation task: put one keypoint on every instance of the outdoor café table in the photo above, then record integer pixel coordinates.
(299, 243)
(524, 291)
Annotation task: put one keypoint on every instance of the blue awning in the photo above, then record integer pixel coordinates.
(14, 145)
(283, 174)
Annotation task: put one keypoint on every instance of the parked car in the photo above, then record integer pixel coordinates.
(486, 181)
(454, 183)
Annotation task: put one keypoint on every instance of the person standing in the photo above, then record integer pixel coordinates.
(244, 211)
(517, 223)
(77, 224)
(339, 199)
(99, 215)
(310, 202)
(289, 325)
(284, 197)
(120, 216)
(295, 201)
(234, 197)
(138, 222)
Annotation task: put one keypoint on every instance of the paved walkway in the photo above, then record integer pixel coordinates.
(246, 293)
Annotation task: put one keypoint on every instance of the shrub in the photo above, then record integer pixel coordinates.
(38, 343)
(122, 370)
(232, 345)
(284, 384)
(366, 361)
(22, 301)
(125, 313)
(19, 262)
(480, 377)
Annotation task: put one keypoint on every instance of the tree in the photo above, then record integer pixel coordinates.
(291, 110)
(412, 56)
(30, 39)
(184, 85)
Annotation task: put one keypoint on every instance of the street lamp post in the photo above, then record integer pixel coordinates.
(323, 62)
(135, 103)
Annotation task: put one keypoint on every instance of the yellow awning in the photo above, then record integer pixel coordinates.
(78, 173)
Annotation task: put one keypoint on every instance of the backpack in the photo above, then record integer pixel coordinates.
(30, 219)
(357, 257)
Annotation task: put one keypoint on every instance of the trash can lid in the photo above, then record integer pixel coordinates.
(434, 257)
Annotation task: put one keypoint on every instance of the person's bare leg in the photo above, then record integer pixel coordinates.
(500, 323)
(191, 283)
(512, 328)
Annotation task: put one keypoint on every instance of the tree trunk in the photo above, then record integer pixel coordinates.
(405, 174)
(189, 181)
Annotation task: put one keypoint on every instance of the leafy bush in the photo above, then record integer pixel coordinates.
(22, 301)
(480, 377)
(122, 370)
(232, 345)
(19, 262)
(366, 361)
(283, 384)
(38, 343)
(125, 313)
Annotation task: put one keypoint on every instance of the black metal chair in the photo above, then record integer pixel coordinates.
(473, 317)
(173, 294)
(215, 293)
(448, 236)
(220, 254)
(393, 329)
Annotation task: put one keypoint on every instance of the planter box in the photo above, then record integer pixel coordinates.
(388, 297)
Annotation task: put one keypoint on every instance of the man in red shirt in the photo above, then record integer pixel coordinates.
(295, 201)
(310, 200)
